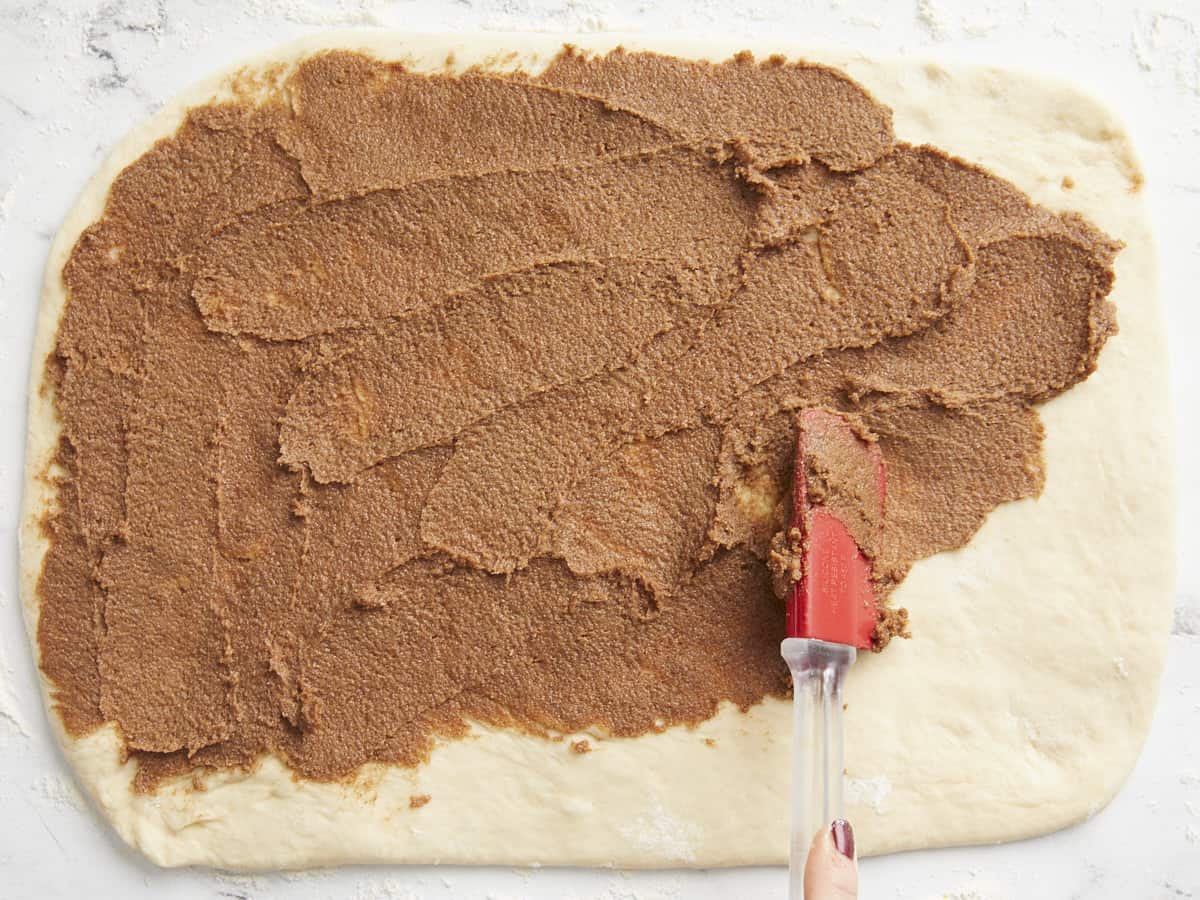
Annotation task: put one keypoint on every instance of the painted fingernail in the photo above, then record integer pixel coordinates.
(843, 837)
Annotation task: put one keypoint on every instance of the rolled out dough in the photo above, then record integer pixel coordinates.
(1019, 706)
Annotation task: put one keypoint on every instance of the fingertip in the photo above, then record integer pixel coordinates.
(843, 837)
(831, 872)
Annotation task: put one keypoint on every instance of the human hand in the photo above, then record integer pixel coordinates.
(831, 872)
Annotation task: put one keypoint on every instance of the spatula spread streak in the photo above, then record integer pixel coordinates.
(831, 610)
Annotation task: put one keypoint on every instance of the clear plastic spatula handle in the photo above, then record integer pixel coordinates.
(818, 669)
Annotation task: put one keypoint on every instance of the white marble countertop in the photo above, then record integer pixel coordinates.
(75, 75)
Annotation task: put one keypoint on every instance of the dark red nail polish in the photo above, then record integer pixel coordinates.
(843, 837)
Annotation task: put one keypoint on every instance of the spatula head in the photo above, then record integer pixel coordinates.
(834, 598)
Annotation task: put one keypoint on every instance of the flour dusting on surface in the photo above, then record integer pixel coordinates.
(307, 874)
(871, 792)
(58, 790)
(1166, 46)
(249, 882)
(339, 14)
(648, 886)
(12, 720)
(384, 889)
(672, 838)
(7, 198)
(969, 894)
(930, 16)
(1187, 619)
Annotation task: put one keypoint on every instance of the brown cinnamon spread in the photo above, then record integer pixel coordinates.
(400, 401)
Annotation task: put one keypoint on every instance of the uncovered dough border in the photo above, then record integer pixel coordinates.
(1064, 661)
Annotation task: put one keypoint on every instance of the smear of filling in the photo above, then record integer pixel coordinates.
(404, 401)
(838, 477)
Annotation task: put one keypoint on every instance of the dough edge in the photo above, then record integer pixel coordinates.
(1069, 680)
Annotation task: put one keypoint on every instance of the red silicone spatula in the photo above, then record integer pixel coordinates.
(832, 612)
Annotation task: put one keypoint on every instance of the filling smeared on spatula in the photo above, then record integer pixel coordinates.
(823, 563)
